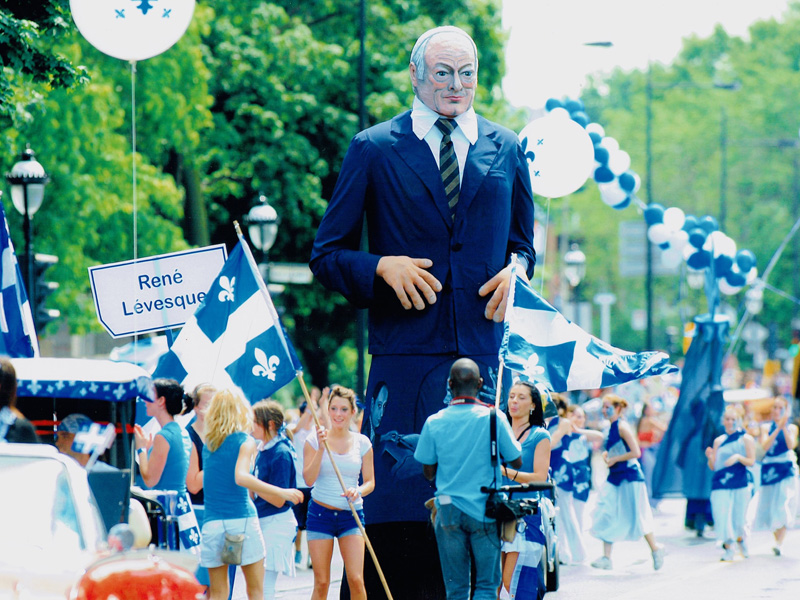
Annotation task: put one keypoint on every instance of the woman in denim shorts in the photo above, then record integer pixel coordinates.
(329, 514)
(227, 456)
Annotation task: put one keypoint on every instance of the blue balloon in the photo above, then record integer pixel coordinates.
(697, 237)
(722, 265)
(735, 279)
(553, 103)
(603, 175)
(709, 223)
(601, 155)
(627, 181)
(664, 246)
(573, 106)
(745, 260)
(624, 204)
(580, 117)
(654, 213)
(699, 260)
(595, 137)
(689, 223)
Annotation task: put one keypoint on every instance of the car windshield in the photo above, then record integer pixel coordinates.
(37, 508)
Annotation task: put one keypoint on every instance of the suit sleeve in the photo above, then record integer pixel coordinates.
(336, 259)
(520, 239)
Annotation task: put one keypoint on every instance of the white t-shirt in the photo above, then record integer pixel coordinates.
(327, 488)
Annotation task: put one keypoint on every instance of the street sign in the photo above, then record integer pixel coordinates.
(154, 293)
(290, 273)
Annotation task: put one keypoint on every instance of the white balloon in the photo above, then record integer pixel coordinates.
(595, 128)
(619, 161)
(658, 233)
(611, 193)
(678, 239)
(674, 218)
(133, 30)
(609, 144)
(671, 258)
(561, 113)
(563, 155)
(752, 275)
(688, 250)
(720, 243)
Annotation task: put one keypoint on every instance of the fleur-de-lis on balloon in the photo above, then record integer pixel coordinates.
(227, 285)
(266, 366)
(532, 366)
(529, 154)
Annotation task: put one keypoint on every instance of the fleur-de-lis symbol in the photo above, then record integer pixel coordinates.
(266, 366)
(726, 478)
(227, 285)
(529, 154)
(532, 366)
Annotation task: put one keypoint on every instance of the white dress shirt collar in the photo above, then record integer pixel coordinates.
(423, 119)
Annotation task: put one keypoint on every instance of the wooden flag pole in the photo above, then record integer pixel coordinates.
(313, 407)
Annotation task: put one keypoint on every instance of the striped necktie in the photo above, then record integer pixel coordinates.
(448, 164)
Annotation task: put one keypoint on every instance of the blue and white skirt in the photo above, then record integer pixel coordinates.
(622, 512)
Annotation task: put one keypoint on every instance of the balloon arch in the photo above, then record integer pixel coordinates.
(564, 149)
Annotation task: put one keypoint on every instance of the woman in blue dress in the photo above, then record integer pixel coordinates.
(573, 491)
(777, 502)
(275, 465)
(521, 558)
(731, 454)
(228, 455)
(623, 510)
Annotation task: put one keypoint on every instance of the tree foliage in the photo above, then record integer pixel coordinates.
(762, 184)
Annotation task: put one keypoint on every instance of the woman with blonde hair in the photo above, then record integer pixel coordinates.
(227, 458)
(623, 509)
(729, 457)
(778, 494)
(329, 514)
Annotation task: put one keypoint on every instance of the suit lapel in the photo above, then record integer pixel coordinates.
(416, 154)
(480, 159)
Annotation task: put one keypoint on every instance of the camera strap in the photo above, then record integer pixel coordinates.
(493, 436)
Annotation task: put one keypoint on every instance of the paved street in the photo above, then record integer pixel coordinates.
(691, 569)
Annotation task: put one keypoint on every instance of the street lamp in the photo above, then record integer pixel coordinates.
(262, 225)
(574, 271)
(27, 180)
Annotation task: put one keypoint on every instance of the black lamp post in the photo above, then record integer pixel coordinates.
(27, 180)
(574, 271)
(262, 225)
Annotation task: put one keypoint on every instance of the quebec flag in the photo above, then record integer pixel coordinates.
(541, 344)
(235, 339)
(17, 334)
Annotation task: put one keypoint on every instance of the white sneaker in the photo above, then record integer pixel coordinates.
(602, 563)
(727, 556)
(658, 558)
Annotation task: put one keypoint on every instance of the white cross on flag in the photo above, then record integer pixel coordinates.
(544, 346)
(235, 339)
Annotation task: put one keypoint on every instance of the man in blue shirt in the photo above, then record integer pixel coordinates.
(454, 449)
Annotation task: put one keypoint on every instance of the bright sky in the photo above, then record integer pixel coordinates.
(546, 56)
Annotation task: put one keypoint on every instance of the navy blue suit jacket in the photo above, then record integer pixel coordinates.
(391, 176)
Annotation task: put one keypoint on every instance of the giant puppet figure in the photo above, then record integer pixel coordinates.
(447, 199)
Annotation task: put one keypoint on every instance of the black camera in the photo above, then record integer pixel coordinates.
(502, 508)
